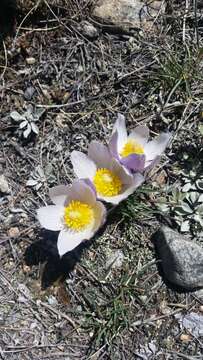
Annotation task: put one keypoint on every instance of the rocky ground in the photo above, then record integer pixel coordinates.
(70, 68)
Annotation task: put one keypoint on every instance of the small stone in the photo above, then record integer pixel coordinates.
(9, 220)
(4, 187)
(128, 13)
(30, 60)
(29, 92)
(181, 259)
(191, 322)
(89, 30)
(115, 260)
(13, 232)
(52, 300)
(185, 337)
(143, 298)
(80, 69)
(165, 310)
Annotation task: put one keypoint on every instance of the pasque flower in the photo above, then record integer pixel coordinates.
(112, 181)
(135, 151)
(76, 214)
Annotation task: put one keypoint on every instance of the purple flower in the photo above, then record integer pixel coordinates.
(113, 183)
(135, 151)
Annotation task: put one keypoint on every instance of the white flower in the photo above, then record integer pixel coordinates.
(134, 151)
(76, 214)
(112, 181)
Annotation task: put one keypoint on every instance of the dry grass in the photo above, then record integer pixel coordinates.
(88, 310)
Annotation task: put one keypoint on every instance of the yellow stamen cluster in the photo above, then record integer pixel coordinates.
(107, 183)
(131, 147)
(78, 215)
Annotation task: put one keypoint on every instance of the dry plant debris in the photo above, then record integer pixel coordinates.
(153, 78)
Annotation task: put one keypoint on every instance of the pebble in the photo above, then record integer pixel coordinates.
(13, 232)
(30, 61)
(128, 13)
(201, 308)
(4, 187)
(89, 30)
(185, 337)
(115, 260)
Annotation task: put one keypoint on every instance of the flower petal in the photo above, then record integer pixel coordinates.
(81, 191)
(83, 166)
(99, 153)
(120, 127)
(122, 172)
(157, 146)
(58, 194)
(134, 162)
(113, 144)
(100, 214)
(128, 190)
(140, 134)
(51, 217)
(68, 241)
(89, 183)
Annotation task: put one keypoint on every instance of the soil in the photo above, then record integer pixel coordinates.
(77, 307)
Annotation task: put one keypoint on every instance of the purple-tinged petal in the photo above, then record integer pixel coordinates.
(140, 134)
(157, 146)
(134, 162)
(89, 183)
(58, 194)
(83, 166)
(120, 127)
(113, 145)
(81, 191)
(121, 171)
(51, 217)
(99, 153)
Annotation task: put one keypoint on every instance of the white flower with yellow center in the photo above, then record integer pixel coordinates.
(134, 151)
(111, 180)
(76, 214)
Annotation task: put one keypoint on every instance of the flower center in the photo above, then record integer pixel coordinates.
(78, 215)
(107, 183)
(131, 147)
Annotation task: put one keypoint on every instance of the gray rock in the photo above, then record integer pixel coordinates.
(135, 13)
(192, 322)
(181, 259)
(4, 187)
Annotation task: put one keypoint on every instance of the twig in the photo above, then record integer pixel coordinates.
(185, 18)
(186, 357)
(59, 313)
(6, 61)
(150, 320)
(24, 19)
(196, 23)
